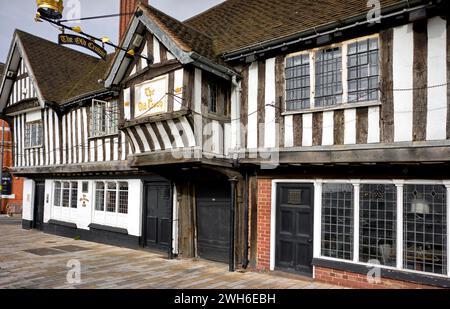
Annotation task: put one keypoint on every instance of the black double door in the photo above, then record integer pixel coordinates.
(213, 216)
(39, 200)
(294, 228)
(157, 216)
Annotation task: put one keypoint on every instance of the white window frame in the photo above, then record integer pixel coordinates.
(104, 217)
(111, 125)
(312, 69)
(28, 141)
(58, 212)
(317, 228)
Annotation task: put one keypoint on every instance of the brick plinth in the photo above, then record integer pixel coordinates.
(264, 211)
(359, 281)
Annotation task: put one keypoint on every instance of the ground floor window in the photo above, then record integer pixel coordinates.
(337, 221)
(425, 230)
(111, 196)
(377, 238)
(65, 194)
(368, 224)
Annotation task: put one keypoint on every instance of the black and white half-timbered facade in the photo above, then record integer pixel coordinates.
(67, 144)
(283, 139)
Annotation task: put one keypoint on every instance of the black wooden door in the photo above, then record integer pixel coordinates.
(39, 200)
(213, 215)
(157, 221)
(294, 228)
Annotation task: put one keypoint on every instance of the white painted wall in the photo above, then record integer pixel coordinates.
(252, 124)
(83, 216)
(403, 79)
(270, 132)
(437, 75)
(28, 199)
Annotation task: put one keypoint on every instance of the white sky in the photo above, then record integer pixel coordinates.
(19, 14)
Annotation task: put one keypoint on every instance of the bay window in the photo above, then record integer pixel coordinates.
(376, 232)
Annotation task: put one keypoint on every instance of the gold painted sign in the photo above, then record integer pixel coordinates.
(151, 97)
(70, 39)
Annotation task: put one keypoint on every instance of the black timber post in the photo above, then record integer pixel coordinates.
(233, 182)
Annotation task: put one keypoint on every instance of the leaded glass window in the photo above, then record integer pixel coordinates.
(33, 134)
(57, 194)
(74, 194)
(425, 228)
(378, 205)
(328, 77)
(66, 194)
(298, 88)
(111, 196)
(123, 197)
(99, 196)
(105, 118)
(363, 71)
(337, 221)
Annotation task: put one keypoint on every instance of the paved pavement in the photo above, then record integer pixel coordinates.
(31, 259)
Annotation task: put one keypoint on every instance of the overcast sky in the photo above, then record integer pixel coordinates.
(20, 14)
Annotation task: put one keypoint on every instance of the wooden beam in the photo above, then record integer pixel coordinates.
(420, 80)
(152, 72)
(279, 97)
(387, 85)
(339, 127)
(261, 111)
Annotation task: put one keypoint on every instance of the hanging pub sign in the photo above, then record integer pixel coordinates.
(70, 39)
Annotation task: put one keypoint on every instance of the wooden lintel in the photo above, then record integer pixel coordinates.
(152, 72)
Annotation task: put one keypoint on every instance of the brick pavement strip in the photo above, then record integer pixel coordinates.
(108, 267)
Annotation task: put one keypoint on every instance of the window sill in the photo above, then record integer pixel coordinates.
(333, 108)
(92, 138)
(386, 272)
(217, 117)
(33, 148)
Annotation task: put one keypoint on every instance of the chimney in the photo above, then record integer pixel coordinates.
(126, 7)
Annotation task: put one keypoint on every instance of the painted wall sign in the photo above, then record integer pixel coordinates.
(151, 97)
(70, 39)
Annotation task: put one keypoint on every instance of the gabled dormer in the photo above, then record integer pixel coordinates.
(176, 92)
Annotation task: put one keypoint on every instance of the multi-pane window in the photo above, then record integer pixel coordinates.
(212, 97)
(100, 196)
(328, 77)
(425, 228)
(298, 88)
(105, 118)
(363, 71)
(33, 134)
(123, 197)
(378, 204)
(65, 194)
(111, 197)
(337, 221)
(424, 232)
(74, 194)
(57, 194)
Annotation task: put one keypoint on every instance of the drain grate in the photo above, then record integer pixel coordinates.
(71, 248)
(44, 251)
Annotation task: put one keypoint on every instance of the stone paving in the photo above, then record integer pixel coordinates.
(34, 260)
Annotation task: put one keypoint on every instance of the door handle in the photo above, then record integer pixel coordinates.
(310, 241)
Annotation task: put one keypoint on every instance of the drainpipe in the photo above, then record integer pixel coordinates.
(233, 182)
(170, 253)
(246, 261)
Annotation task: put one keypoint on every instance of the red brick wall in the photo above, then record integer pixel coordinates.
(126, 6)
(17, 183)
(352, 280)
(264, 200)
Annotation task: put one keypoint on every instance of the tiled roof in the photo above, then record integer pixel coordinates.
(236, 24)
(62, 73)
(186, 37)
(2, 67)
